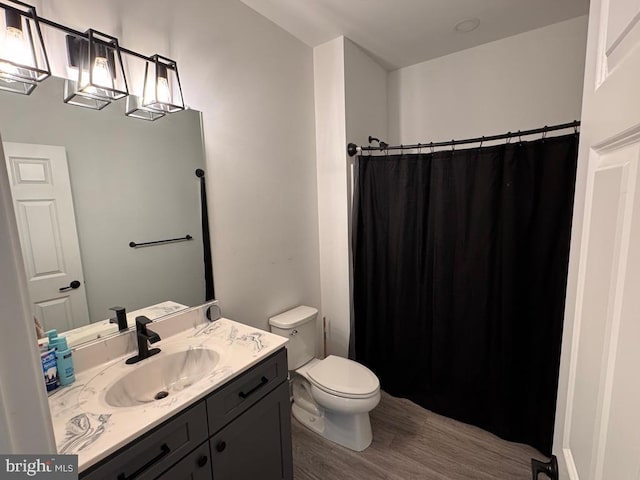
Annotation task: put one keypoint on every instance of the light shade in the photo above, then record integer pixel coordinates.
(136, 110)
(70, 96)
(23, 58)
(101, 76)
(162, 91)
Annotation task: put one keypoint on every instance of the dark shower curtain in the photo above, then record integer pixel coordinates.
(460, 268)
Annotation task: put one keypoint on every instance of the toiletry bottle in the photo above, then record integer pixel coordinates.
(51, 334)
(49, 367)
(66, 374)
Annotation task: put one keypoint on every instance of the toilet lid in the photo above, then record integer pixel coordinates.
(343, 376)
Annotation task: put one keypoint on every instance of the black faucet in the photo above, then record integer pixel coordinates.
(121, 318)
(144, 335)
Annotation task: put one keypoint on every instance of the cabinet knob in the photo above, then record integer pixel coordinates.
(202, 461)
(221, 445)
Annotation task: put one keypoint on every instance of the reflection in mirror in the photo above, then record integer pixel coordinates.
(85, 185)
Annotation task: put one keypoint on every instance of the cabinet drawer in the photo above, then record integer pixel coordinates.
(149, 456)
(234, 398)
(195, 466)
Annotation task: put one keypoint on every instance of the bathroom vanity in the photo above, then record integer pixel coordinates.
(242, 430)
(225, 413)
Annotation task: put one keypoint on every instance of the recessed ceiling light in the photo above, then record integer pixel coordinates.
(467, 25)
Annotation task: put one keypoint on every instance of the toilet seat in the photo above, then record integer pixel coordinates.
(343, 378)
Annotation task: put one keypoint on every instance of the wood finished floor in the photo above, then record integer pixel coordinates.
(410, 443)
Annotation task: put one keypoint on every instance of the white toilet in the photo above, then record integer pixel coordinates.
(332, 397)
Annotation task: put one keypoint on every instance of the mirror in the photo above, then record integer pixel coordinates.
(85, 185)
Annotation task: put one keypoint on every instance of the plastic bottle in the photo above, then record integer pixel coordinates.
(66, 373)
(51, 334)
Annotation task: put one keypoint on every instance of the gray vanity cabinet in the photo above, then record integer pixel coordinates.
(257, 445)
(242, 431)
(195, 466)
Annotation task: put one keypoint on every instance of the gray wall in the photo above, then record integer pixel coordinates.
(132, 180)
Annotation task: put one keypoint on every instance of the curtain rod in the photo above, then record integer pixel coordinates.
(353, 149)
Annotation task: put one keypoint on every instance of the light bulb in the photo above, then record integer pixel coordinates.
(164, 94)
(14, 49)
(101, 79)
(101, 75)
(157, 95)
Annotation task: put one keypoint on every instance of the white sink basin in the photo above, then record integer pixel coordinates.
(162, 376)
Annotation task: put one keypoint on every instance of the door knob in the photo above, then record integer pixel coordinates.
(72, 286)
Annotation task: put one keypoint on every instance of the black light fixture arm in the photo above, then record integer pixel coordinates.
(353, 149)
(78, 33)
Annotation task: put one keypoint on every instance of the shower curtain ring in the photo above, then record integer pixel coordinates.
(453, 145)
(419, 149)
(509, 135)
(519, 137)
(481, 142)
(544, 132)
(433, 150)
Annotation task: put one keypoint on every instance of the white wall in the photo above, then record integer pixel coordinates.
(520, 82)
(329, 90)
(366, 114)
(350, 99)
(254, 84)
(366, 95)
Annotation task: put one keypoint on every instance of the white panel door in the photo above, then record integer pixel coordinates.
(43, 206)
(598, 421)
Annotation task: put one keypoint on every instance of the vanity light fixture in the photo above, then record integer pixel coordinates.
(97, 58)
(23, 58)
(162, 91)
(101, 78)
(135, 109)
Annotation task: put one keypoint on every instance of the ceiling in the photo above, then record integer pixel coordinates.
(399, 33)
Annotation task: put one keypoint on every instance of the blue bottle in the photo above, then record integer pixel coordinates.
(66, 373)
(51, 334)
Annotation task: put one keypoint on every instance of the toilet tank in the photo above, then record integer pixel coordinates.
(299, 326)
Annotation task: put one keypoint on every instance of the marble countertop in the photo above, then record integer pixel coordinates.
(84, 424)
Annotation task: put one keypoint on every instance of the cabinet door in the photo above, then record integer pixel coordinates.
(195, 466)
(257, 445)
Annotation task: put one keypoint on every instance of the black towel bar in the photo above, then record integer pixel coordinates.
(160, 242)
